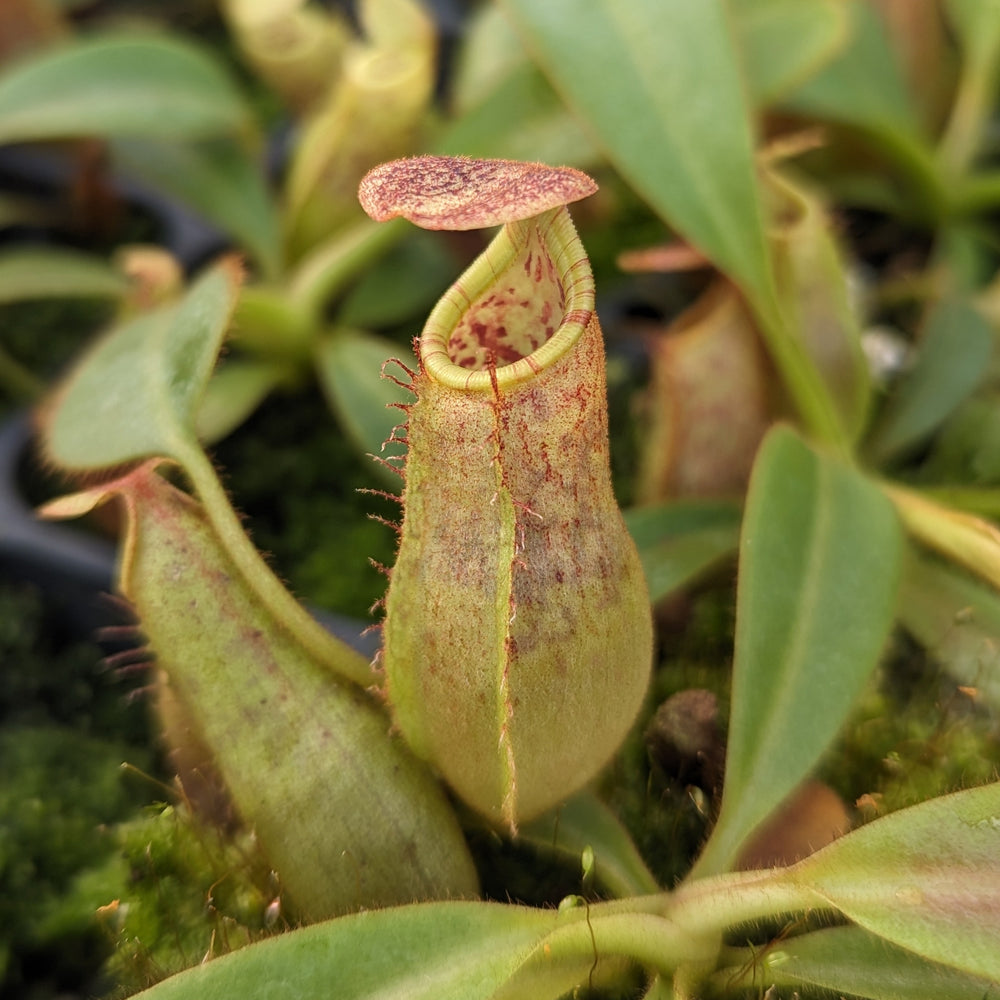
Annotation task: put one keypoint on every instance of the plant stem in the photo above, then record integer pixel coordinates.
(653, 941)
(684, 928)
(710, 905)
(326, 270)
(276, 598)
(800, 376)
(964, 131)
(688, 981)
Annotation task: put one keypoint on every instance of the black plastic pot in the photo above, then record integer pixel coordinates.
(63, 562)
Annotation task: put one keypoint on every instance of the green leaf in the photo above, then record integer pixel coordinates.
(115, 86)
(136, 393)
(503, 105)
(819, 564)
(957, 344)
(926, 878)
(785, 41)
(585, 821)
(850, 960)
(521, 119)
(236, 389)
(863, 86)
(350, 371)
(438, 951)
(659, 85)
(491, 51)
(219, 180)
(680, 540)
(44, 272)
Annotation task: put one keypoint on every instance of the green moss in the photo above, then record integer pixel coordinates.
(61, 789)
(913, 736)
(65, 729)
(296, 479)
(185, 891)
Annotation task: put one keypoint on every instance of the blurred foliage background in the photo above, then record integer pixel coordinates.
(796, 223)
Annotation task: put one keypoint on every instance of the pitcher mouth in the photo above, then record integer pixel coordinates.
(522, 305)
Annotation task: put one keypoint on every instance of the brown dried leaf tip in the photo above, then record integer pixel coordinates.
(457, 192)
